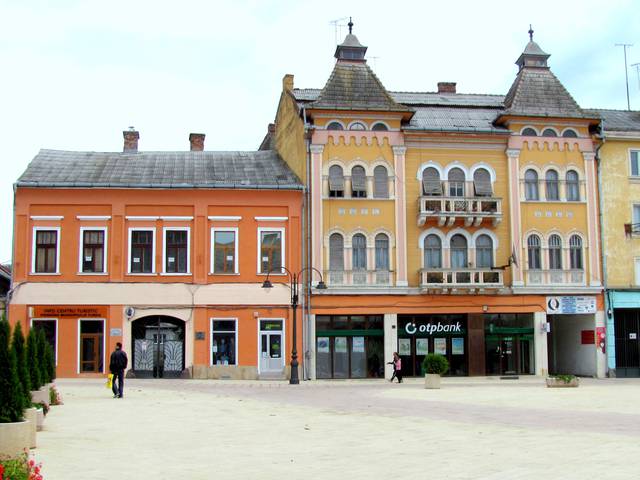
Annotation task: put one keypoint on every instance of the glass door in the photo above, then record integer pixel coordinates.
(340, 357)
(508, 356)
(91, 346)
(271, 358)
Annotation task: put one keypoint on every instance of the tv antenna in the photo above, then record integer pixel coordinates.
(637, 65)
(338, 25)
(626, 69)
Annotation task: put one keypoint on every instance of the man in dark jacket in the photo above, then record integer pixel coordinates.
(117, 366)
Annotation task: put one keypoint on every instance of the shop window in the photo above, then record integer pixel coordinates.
(484, 252)
(531, 185)
(46, 250)
(555, 252)
(93, 251)
(634, 159)
(336, 181)
(432, 252)
(431, 184)
(573, 186)
(379, 127)
(271, 251)
(549, 132)
(359, 251)
(225, 248)
(533, 252)
(223, 341)
(176, 256)
(456, 182)
(458, 250)
(335, 126)
(380, 182)
(575, 252)
(91, 346)
(358, 182)
(482, 183)
(142, 251)
(569, 133)
(551, 182)
(529, 132)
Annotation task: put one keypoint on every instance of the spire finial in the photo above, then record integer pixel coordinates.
(350, 24)
(530, 33)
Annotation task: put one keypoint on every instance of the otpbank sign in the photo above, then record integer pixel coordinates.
(431, 328)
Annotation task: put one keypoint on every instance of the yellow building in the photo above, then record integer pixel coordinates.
(460, 224)
(619, 158)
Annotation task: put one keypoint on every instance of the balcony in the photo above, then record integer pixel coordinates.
(555, 277)
(358, 278)
(471, 278)
(632, 229)
(446, 210)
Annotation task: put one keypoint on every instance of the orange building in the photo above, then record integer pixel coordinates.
(165, 252)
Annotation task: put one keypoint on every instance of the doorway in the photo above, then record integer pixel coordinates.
(509, 354)
(158, 346)
(627, 331)
(91, 346)
(271, 346)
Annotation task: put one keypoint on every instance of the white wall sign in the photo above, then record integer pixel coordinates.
(566, 305)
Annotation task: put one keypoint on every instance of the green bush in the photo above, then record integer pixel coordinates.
(435, 363)
(565, 378)
(18, 346)
(41, 346)
(11, 396)
(51, 362)
(32, 360)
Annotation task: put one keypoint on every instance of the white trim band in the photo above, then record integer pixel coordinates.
(93, 217)
(47, 217)
(271, 219)
(224, 218)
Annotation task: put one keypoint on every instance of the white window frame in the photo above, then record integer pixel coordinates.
(164, 250)
(633, 211)
(636, 277)
(104, 254)
(236, 261)
(283, 242)
(105, 367)
(153, 250)
(211, 331)
(48, 319)
(631, 150)
(33, 250)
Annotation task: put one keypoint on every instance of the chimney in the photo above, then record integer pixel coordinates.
(446, 87)
(131, 137)
(271, 129)
(287, 82)
(197, 142)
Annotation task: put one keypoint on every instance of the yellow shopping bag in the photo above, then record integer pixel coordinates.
(109, 380)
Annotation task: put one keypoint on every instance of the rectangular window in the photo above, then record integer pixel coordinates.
(636, 214)
(46, 250)
(176, 250)
(142, 251)
(223, 341)
(637, 270)
(92, 250)
(225, 251)
(271, 250)
(634, 156)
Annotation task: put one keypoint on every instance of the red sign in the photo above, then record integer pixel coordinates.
(69, 311)
(588, 337)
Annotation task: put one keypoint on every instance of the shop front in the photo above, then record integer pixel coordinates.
(509, 344)
(623, 330)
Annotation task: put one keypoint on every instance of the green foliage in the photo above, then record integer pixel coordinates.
(20, 467)
(435, 363)
(11, 396)
(565, 378)
(32, 360)
(41, 348)
(19, 347)
(51, 361)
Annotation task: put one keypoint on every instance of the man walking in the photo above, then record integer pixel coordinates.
(117, 366)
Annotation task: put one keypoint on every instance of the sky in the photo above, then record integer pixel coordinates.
(75, 74)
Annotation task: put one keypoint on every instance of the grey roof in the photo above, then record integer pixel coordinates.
(354, 86)
(452, 119)
(5, 271)
(241, 170)
(618, 120)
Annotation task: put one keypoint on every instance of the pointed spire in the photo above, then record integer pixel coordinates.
(533, 55)
(530, 33)
(350, 24)
(350, 49)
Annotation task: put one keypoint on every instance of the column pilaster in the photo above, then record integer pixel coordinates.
(401, 215)
(316, 206)
(515, 220)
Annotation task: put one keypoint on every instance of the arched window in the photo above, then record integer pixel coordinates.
(484, 252)
(482, 183)
(533, 252)
(382, 252)
(432, 251)
(555, 252)
(357, 126)
(431, 184)
(551, 181)
(380, 182)
(334, 126)
(575, 252)
(456, 182)
(568, 133)
(336, 181)
(529, 132)
(358, 182)
(531, 185)
(379, 127)
(573, 186)
(336, 252)
(458, 250)
(549, 132)
(359, 252)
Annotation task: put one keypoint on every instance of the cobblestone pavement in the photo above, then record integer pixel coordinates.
(473, 428)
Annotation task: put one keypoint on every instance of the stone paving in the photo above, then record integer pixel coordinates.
(473, 428)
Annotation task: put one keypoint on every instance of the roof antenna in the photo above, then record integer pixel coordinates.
(350, 24)
(530, 33)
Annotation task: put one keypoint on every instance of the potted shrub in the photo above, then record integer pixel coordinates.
(434, 365)
(563, 381)
(15, 432)
(19, 348)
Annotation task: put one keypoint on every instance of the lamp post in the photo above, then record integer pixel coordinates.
(293, 286)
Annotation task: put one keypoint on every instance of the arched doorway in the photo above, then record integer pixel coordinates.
(158, 346)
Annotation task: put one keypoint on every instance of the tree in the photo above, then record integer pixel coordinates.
(11, 396)
(51, 362)
(32, 360)
(41, 341)
(18, 346)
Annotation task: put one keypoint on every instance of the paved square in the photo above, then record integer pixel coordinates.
(473, 428)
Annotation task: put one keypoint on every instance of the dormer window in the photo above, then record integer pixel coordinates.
(357, 126)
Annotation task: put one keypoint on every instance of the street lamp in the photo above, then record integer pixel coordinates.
(293, 286)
